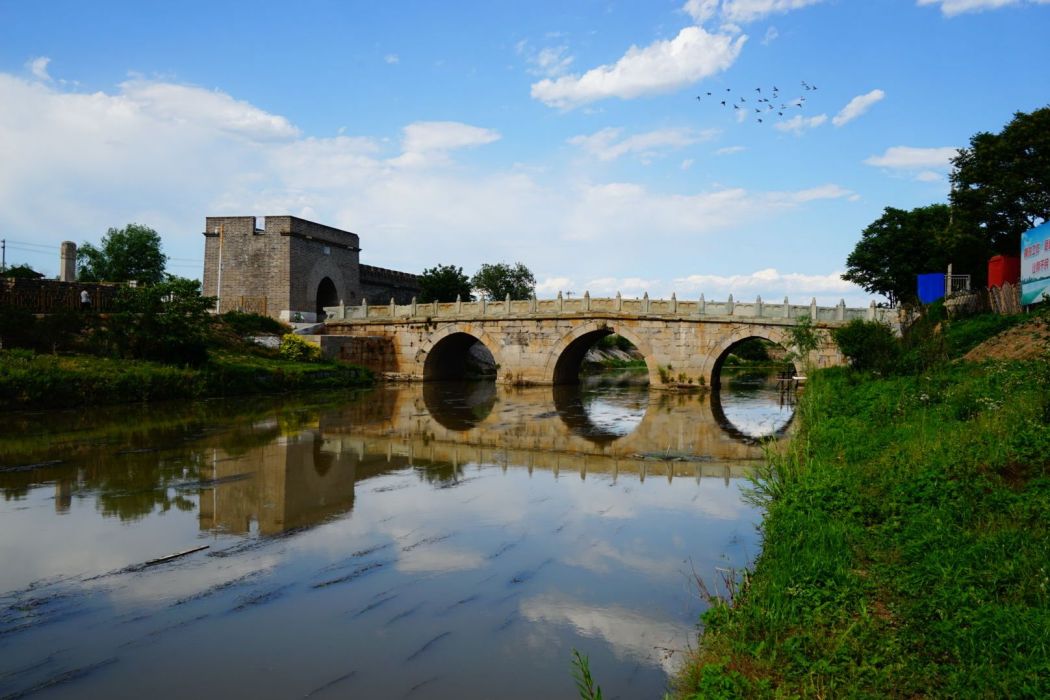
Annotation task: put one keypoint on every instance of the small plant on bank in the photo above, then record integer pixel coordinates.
(294, 347)
(804, 339)
(869, 345)
(581, 672)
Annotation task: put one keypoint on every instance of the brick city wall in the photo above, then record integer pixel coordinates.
(378, 285)
(254, 263)
(316, 252)
(280, 267)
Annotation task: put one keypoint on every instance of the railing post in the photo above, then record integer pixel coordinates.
(459, 304)
(871, 310)
(586, 300)
(561, 302)
(645, 303)
(813, 309)
(674, 303)
(506, 305)
(364, 307)
(758, 306)
(532, 303)
(413, 306)
(702, 309)
(619, 302)
(729, 305)
(484, 304)
(787, 308)
(840, 310)
(393, 307)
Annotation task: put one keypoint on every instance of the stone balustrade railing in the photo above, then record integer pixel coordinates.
(667, 308)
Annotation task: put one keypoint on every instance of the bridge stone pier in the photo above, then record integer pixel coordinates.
(544, 341)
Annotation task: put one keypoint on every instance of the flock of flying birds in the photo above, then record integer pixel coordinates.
(763, 104)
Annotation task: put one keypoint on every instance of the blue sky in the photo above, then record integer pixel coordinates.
(564, 135)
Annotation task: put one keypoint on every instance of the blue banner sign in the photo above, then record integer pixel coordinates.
(1035, 264)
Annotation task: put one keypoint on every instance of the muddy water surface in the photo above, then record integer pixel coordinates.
(425, 541)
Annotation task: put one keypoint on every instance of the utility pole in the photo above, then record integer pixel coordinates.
(3, 254)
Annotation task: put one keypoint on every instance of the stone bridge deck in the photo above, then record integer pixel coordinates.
(544, 341)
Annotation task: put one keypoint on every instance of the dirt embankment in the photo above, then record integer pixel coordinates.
(1027, 341)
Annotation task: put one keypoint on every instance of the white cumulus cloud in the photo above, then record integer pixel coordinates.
(750, 10)
(910, 158)
(660, 67)
(797, 124)
(167, 155)
(607, 144)
(857, 106)
(38, 67)
(950, 8)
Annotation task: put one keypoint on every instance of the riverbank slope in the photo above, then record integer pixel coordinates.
(906, 548)
(31, 380)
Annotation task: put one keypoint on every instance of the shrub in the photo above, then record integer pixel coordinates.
(166, 322)
(294, 347)
(243, 324)
(17, 327)
(869, 345)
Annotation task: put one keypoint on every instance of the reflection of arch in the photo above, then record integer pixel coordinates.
(444, 354)
(327, 295)
(564, 360)
(715, 359)
(323, 461)
(736, 433)
(459, 406)
(568, 402)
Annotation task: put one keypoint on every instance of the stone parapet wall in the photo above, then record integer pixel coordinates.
(665, 308)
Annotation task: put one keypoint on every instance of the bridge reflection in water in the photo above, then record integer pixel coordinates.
(307, 475)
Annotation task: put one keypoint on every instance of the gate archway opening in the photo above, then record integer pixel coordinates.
(327, 295)
(459, 356)
(596, 352)
(753, 352)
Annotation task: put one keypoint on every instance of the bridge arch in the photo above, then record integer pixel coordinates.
(443, 355)
(716, 358)
(564, 360)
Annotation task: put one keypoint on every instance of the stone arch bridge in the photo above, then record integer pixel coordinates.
(544, 341)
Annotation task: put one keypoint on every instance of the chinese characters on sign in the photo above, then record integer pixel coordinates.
(1035, 264)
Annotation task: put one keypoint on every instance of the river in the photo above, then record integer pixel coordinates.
(418, 541)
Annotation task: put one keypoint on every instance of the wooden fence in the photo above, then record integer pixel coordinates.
(40, 296)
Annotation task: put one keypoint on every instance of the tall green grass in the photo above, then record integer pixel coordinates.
(906, 545)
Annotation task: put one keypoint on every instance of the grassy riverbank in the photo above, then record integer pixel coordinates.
(31, 380)
(906, 548)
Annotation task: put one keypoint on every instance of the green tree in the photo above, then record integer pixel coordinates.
(22, 270)
(125, 254)
(1001, 183)
(499, 280)
(167, 322)
(444, 283)
(899, 245)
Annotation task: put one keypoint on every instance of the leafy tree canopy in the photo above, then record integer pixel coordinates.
(125, 254)
(898, 246)
(22, 270)
(499, 280)
(1001, 183)
(444, 283)
(167, 322)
